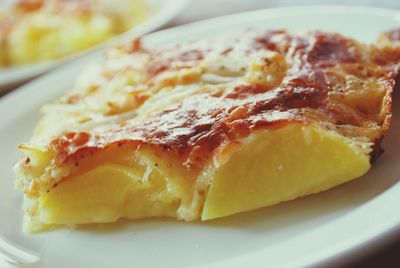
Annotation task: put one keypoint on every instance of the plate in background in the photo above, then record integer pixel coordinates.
(332, 227)
(161, 12)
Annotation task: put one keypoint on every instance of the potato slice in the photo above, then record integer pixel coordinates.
(282, 164)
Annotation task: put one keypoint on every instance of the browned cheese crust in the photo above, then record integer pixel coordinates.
(330, 80)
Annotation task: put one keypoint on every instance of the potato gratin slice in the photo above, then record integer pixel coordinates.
(209, 128)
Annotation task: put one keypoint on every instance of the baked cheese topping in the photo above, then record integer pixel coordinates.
(386, 52)
(193, 98)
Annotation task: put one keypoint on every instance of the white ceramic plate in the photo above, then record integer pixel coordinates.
(161, 12)
(330, 227)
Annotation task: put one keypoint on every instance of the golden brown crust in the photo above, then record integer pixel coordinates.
(328, 81)
(29, 5)
(386, 52)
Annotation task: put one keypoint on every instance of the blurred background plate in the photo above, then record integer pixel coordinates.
(160, 13)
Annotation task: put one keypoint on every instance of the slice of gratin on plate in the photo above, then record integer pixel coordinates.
(209, 128)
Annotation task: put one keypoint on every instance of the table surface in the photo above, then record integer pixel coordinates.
(388, 255)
